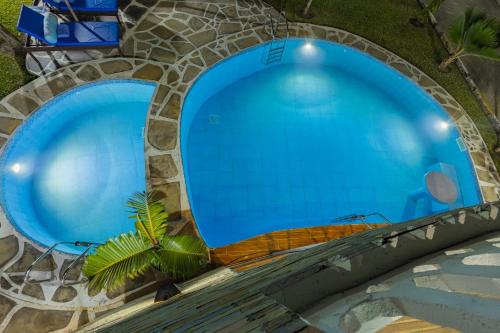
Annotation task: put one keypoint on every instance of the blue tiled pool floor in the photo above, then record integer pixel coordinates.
(297, 146)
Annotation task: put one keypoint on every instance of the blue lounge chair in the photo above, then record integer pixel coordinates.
(66, 36)
(94, 7)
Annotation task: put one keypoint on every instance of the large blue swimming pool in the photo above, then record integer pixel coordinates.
(69, 169)
(326, 132)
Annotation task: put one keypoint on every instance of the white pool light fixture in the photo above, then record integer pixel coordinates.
(308, 48)
(16, 168)
(443, 125)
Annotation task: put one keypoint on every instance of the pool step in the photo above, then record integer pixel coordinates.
(275, 54)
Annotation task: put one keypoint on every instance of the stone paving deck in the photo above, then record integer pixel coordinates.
(169, 43)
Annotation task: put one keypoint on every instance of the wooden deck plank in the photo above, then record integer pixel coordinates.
(269, 243)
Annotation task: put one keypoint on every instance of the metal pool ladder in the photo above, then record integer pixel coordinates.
(88, 246)
(277, 45)
(362, 218)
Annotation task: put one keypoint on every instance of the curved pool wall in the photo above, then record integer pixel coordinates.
(69, 168)
(226, 210)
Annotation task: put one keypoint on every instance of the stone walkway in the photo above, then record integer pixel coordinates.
(169, 43)
(458, 288)
(484, 72)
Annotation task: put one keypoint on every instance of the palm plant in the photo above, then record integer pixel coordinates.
(473, 34)
(132, 254)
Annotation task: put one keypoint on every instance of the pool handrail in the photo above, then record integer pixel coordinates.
(88, 246)
(362, 218)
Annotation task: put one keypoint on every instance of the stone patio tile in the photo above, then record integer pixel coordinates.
(6, 305)
(377, 53)
(29, 255)
(210, 56)
(40, 321)
(115, 66)
(163, 55)
(23, 103)
(247, 42)
(33, 290)
(170, 196)
(229, 27)
(8, 125)
(196, 24)
(191, 73)
(4, 284)
(8, 249)
(182, 47)
(161, 93)
(149, 72)
(54, 87)
(162, 32)
(176, 25)
(166, 6)
(135, 13)
(162, 134)
(172, 109)
(64, 294)
(147, 3)
(191, 8)
(172, 77)
(148, 23)
(162, 166)
(203, 37)
(88, 73)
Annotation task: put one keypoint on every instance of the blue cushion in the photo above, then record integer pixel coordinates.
(63, 31)
(50, 24)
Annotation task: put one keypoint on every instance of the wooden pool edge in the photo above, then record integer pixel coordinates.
(263, 246)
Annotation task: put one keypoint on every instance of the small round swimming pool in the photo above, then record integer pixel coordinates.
(325, 132)
(69, 168)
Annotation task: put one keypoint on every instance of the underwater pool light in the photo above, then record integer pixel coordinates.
(16, 168)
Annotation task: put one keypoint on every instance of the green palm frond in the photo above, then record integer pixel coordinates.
(456, 32)
(181, 256)
(150, 215)
(481, 35)
(487, 53)
(126, 256)
(475, 34)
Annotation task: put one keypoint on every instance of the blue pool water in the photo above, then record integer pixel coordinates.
(69, 169)
(326, 132)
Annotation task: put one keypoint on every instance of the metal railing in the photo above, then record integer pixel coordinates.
(88, 246)
(274, 25)
(358, 243)
(362, 218)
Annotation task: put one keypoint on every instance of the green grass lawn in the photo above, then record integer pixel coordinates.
(385, 22)
(12, 75)
(9, 13)
(12, 71)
